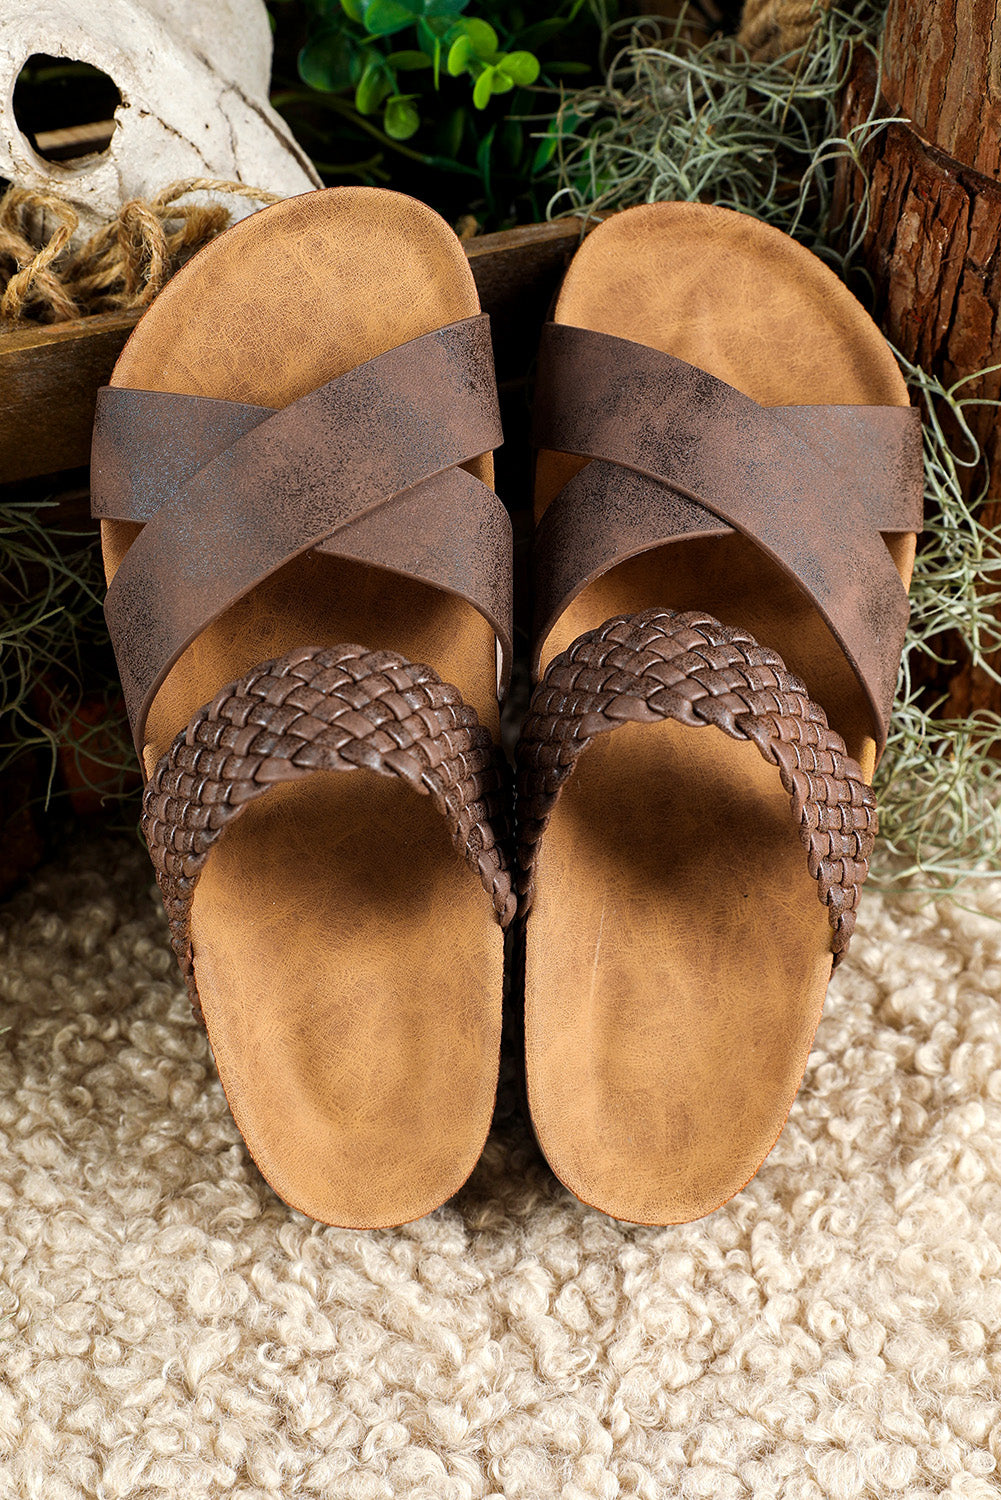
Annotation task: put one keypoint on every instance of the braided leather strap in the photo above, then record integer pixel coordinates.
(664, 665)
(316, 709)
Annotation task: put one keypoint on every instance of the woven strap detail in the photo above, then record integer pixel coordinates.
(319, 709)
(689, 667)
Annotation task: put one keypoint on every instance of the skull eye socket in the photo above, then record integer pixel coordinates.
(65, 108)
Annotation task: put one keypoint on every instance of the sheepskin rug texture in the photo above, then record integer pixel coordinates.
(168, 1328)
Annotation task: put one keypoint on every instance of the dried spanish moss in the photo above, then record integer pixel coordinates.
(939, 783)
(57, 689)
(675, 120)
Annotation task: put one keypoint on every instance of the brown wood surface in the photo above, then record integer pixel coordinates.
(942, 69)
(932, 248)
(931, 244)
(49, 374)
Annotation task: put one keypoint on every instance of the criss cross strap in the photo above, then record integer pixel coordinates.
(147, 444)
(336, 709)
(688, 667)
(368, 466)
(677, 453)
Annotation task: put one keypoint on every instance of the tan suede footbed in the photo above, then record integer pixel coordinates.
(677, 954)
(349, 965)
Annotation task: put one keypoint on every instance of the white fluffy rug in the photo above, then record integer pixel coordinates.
(168, 1328)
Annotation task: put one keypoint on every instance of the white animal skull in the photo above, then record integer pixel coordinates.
(193, 76)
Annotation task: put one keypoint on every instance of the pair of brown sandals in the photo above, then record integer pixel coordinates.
(295, 452)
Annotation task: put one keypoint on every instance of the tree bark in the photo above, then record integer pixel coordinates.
(932, 241)
(942, 69)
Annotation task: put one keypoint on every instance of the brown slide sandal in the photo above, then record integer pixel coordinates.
(294, 454)
(726, 457)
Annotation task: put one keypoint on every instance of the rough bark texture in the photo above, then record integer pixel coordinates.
(932, 244)
(942, 69)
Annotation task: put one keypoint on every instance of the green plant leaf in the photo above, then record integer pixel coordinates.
(542, 32)
(484, 87)
(401, 120)
(483, 164)
(452, 131)
(500, 83)
(354, 10)
(459, 54)
(385, 17)
(521, 67)
(373, 86)
(444, 7)
(483, 39)
(361, 57)
(512, 142)
(325, 62)
(565, 124)
(544, 152)
(408, 62)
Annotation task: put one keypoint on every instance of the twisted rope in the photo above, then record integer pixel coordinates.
(690, 668)
(776, 28)
(120, 268)
(316, 709)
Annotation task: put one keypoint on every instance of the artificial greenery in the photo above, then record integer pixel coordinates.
(452, 100)
(939, 782)
(350, 50)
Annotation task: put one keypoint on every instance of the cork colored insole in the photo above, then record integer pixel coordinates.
(347, 961)
(677, 955)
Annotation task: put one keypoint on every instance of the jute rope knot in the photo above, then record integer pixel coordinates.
(775, 28)
(119, 268)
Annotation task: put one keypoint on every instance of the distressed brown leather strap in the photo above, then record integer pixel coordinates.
(666, 665)
(147, 444)
(336, 709)
(678, 453)
(398, 426)
(452, 531)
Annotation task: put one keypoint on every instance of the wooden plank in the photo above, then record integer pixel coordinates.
(74, 141)
(517, 273)
(49, 374)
